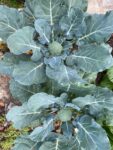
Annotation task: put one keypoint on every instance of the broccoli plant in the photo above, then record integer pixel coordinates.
(56, 51)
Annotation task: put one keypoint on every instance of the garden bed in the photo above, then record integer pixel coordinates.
(58, 94)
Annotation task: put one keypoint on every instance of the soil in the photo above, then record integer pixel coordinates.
(100, 6)
(12, 3)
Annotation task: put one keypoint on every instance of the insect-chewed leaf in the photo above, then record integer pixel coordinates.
(90, 135)
(25, 71)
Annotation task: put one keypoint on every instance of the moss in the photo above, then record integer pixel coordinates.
(8, 136)
(12, 3)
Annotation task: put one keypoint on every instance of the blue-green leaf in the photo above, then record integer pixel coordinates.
(10, 21)
(49, 10)
(92, 58)
(24, 143)
(98, 28)
(32, 110)
(44, 30)
(89, 135)
(21, 116)
(71, 21)
(21, 92)
(59, 142)
(67, 129)
(99, 100)
(64, 75)
(22, 41)
(29, 73)
(41, 100)
(40, 133)
(9, 61)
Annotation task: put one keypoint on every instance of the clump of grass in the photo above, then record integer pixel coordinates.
(12, 3)
(8, 135)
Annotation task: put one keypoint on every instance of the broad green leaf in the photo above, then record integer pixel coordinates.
(40, 133)
(81, 89)
(7, 64)
(58, 145)
(9, 61)
(99, 100)
(28, 73)
(44, 30)
(31, 111)
(10, 21)
(90, 135)
(67, 129)
(54, 61)
(22, 117)
(110, 74)
(22, 41)
(92, 58)
(41, 100)
(56, 142)
(98, 28)
(63, 75)
(50, 10)
(24, 143)
(21, 92)
(81, 4)
(71, 21)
